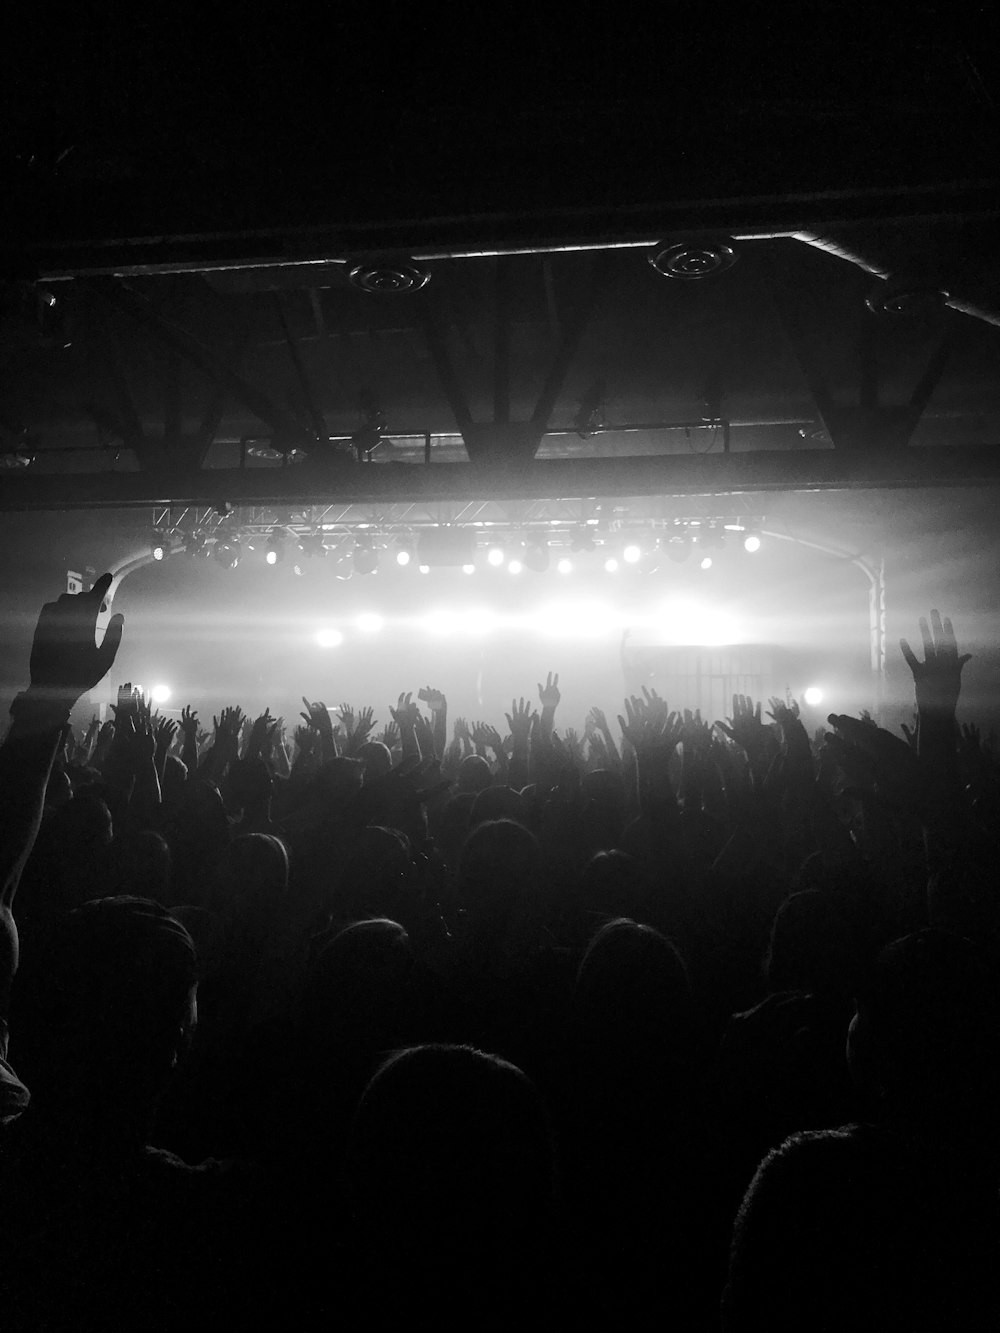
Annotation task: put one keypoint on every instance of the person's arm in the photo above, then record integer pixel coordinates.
(548, 696)
(317, 716)
(937, 681)
(519, 720)
(164, 732)
(65, 663)
(405, 717)
(189, 730)
(438, 704)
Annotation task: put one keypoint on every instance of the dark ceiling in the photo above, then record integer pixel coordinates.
(188, 217)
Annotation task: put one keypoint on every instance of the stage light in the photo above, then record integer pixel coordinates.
(275, 549)
(158, 552)
(424, 569)
(468, 569)
(160, 694)
(515, 566)
(632, 553)
(370, 622)
(329, 638)
(813, 696)
(706, 562)
(365, 558)
(227, 553)
(611, 565)
(495, 556)
(565, 565)
(442, 623)
(751, 542)
(479, 622)
(297, 569)
(403, 556)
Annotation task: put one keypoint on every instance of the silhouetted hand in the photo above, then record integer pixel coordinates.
(164, 731)
(317, 716)
(127, 702)
(462, 732)
(519, 720)
(548, 693)
(363, 725)
(65, 659)
(389, 735)
(261, 735)
(434, 699)
(405, 713)
(189, 724)
(745, 726)
(937, 679)
(306, 739)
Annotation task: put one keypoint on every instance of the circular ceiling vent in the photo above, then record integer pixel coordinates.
(389, 277)
(906, 298)
(694, 259)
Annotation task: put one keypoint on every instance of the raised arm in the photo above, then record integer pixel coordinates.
(66, 661)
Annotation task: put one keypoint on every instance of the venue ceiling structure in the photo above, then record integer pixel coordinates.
(612, 289)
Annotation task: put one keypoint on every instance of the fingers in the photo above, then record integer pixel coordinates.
(925, 634)
(99, 591)
(908, 653)
(108, 650)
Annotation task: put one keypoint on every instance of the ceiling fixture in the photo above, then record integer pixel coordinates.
(389, 277)
(275, 549)
(692, 260)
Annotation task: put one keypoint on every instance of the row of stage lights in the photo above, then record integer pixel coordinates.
(364, 554)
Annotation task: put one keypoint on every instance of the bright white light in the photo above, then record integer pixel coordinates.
(479, 622)
(370, 622)
(611, 565)
(160, 694)
(632, 554)
(583, 619)
(515, 567)
(706, 562)
(442, 623)
(272, 557)
(424, 569)
(751, 543)
(297, 569)
(402, 557)
(689, 623)
(158, 553)
(495, 555)
(565, 565)
(468, 569)
(329, 638)
(813, 696)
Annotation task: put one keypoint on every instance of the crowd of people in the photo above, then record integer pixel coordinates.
(399, 1021)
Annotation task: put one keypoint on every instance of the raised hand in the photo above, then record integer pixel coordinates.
(227, 728)
(434, 699)
(597, 720)
(462, 732)
(128, 702)
(364, 724)
(65, 659)
(346, 714)
(937, 679)
(745, 726)
(405, 713)
(548, 693)
(164, 731)
(389, 735)
(317, 716)
(305, 739)
(261, 735)
(519, 721)
(189, 724)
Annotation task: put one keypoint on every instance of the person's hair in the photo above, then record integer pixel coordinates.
(497, 869)
(474, 774)
(498, 803)
(100, 1014)
(632, 988)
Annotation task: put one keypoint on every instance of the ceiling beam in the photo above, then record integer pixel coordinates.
(671, 474)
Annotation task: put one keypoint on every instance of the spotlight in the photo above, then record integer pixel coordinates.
(751, 542)
(370, 622)
(468, 569)
(813, 696)
(611, 565)
(706, 562)
(275, 549)
(495, 556)
(515, 566)
(565, 565)
(632, 553)
(329, 638)
(160, 694)
(297, 569)
(404, 556)
(365, 558)
(158, 551)
(424, 569)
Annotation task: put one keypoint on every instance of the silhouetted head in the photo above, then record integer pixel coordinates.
(497, 872)
(474, 774)
(102, 1017)
(376, 876)
(813, 947)
(252, 889)
(612, 885)
(632, 989)
(499, 803)
(926, 1037)
(452, 1147)
(144, 866)
(376, 758)
(357, 987)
